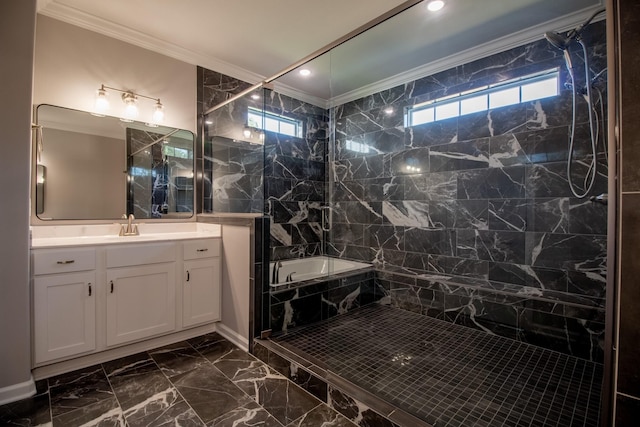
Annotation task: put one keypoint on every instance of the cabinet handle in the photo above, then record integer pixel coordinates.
(111, 282)
(89, 289)
(69, 261)
(202, 250)
(188, 275)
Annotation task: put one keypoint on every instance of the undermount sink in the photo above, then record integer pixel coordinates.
(102, 234)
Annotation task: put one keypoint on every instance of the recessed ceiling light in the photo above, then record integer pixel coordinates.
(305, 72)
(255, 96)
(435, 5)
(388, 111)
(208, 122)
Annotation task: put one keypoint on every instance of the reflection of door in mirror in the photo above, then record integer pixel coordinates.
(86, 175)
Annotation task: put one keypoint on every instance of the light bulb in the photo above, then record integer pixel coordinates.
(102, 103)
(131, 107)
(158, 113)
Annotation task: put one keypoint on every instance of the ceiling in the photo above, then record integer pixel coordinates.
(255, 39)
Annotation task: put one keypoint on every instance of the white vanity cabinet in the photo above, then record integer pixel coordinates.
(95, 300)
(201, 282)
(64, 303)
(140, 291)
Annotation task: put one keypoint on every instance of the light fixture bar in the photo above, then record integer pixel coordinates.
(130, 99)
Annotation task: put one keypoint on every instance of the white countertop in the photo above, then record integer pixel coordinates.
(56, 236)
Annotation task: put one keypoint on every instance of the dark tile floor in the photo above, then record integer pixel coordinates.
(205, 381)
(449, 375)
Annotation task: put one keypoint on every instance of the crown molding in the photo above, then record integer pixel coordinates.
(493, 47)
(93, 23)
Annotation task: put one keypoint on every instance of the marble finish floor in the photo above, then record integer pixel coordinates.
(449, 375)
(205, 381)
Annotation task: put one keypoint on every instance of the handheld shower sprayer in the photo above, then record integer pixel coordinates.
(563, 42)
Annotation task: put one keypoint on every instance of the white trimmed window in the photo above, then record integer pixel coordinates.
(510, 92)
(265, 120)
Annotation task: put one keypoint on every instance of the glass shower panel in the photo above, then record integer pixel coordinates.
(234, 157)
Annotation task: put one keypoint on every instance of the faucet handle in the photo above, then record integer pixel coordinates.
(124, 216)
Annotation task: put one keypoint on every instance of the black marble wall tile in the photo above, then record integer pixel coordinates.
(573, 252)
(492, 183)
(359, 168)
(548, 215)
(436, 133)
(587, 217)
(508, 214)
(459, 156)
(410, 162)
(499, 246)
(380, 189)
(437, 242)
(493, 122)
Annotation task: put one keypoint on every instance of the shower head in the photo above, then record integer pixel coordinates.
(557, 40)
(562, 42)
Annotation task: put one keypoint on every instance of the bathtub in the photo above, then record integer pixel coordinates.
(303, 269)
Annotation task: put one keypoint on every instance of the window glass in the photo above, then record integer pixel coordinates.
(539, 90)
(446, 111)
(502, 98)
(473, 105)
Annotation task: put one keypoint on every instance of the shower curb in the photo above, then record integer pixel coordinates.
(320, 382)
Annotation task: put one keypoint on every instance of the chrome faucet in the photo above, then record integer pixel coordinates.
(131, 228)
(275, 274)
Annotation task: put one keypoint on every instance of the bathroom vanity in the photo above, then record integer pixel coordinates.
(94, 291)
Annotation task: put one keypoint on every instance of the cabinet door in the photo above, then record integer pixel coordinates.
(140, 302)
(201, 291)
(64, 315)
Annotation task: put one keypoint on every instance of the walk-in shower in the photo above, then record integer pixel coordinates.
(483, 300)
(595, 108)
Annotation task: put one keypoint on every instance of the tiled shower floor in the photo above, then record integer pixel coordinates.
(449, 375)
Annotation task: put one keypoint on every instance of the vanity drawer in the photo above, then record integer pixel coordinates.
(51, 261)
(205, 248)
(125, 256)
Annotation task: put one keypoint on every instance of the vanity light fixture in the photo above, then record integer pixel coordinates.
(130, 100)
(435, 5)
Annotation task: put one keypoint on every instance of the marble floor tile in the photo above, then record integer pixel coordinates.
(209, 392)
(143, 389)
(323, 416)
(78, 389)
(177, 358)
(283, 399)
(206, 381)
(248, 415)
(105, 413)
(179, 414)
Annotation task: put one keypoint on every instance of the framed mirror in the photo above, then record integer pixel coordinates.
(89, 167)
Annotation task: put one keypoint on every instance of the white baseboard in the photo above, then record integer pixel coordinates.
(233, 336)
(18, 391)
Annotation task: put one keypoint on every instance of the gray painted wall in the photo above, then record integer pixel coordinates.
(17, 32)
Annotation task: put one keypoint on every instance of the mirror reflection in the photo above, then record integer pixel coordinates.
(98, 168)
